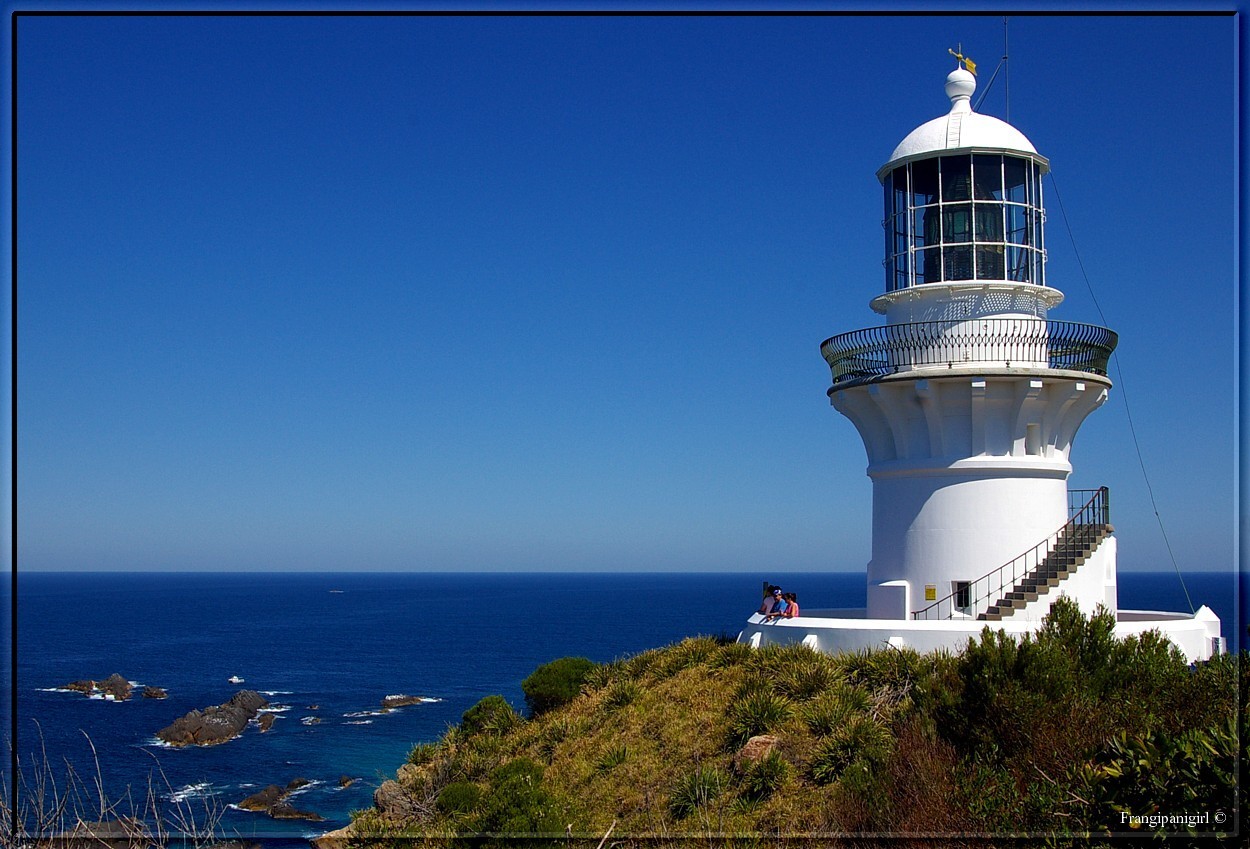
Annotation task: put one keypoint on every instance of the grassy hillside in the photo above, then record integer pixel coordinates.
(1067, 734)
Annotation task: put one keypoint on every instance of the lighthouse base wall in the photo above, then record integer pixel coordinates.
(934, 531)
(833, 632)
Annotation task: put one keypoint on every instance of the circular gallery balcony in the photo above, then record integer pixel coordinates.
(863, 356)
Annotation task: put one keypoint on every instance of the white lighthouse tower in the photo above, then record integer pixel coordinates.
(968, 400)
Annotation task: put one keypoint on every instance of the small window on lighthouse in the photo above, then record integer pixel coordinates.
(963, 594)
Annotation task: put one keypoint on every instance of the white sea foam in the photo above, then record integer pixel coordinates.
(310, 785)
(159, 743)
(275, 709)
(54, 690)
(358, 713)
(276, 692)
(359, 722)
(192, 791)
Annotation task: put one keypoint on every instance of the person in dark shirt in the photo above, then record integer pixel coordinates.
(779, 606)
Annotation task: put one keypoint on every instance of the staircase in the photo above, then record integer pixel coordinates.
(1073, 547)
(1022, 580)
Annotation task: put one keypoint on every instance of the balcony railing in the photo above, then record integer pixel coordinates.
(864, 355)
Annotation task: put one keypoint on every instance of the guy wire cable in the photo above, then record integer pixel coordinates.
(1123, 394)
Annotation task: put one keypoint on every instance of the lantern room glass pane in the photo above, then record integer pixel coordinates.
(926, 229)
(929, 265)
(956, 178)
(987, 177)
(990, 262)
(1015, 172)
(924, 182)
(957, 263)
(1018, 224)
(898, 179)
(989, 222)
(1018, 264)
(957, 223)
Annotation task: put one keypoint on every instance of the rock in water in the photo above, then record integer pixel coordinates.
(272, 801)
(114, 686)
(117, 687)
(216, 724)
(155, 693)
(400, 701)
(264, 800)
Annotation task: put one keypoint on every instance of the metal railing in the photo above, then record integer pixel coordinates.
(863, 355)
(1081, 533)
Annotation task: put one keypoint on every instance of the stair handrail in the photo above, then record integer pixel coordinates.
(1093, 513)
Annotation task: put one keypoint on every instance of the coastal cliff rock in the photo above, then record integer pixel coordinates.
(272, 801)
(115, 687)
(216, 724)
(395, 803)
(155, 693)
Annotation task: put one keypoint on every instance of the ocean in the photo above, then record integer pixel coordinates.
(325, 649)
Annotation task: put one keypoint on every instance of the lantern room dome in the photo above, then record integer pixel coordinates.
(961, 128)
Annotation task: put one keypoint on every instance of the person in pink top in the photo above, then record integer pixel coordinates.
(792, 607)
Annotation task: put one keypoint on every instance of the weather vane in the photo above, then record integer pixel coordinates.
(968, 64)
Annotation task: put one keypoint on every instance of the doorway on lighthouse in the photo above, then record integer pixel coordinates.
(963, 596)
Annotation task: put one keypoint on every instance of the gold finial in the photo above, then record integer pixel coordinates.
(968, 64)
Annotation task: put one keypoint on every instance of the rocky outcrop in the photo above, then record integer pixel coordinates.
(273, 801)
(395, 803)
(265, 722)
(155, 693)
(217, 724)
(753, 751)
(115, 687)
(391, 702)
(337, 839)
(346, 781)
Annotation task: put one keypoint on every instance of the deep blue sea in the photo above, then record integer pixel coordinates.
(331, 646)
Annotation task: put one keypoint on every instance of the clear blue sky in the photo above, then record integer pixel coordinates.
(547, 293)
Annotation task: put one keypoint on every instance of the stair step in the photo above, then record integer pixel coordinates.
(1022, 595)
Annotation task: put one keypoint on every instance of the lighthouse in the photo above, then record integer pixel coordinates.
(968, 399)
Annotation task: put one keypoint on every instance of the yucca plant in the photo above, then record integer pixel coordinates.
(860, 744)
(613, 757)
(764, 776)
(758, 713)
(620, 694)
(696, 789)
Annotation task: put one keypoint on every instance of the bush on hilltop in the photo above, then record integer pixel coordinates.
(555, 684)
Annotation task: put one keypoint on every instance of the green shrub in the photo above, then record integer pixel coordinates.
(422, 753)
(612, 758)
(459, 798)
(763, 777)
(832, 709)
(689, 652)
(517, 803)
(1162, 773)
(758, 713)
(859, 746)
(555, 684)
(807, 678)
(492, 715)
(620, 694)
(696, 789)
(731, 654)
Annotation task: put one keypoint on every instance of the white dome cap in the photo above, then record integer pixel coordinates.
(960, 128)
